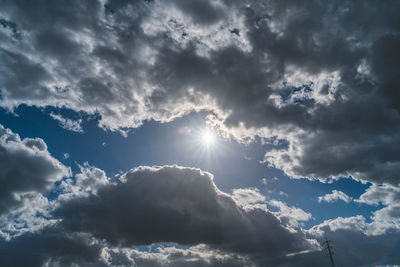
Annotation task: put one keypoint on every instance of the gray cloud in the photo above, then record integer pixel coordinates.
(355, 246)
(180, 205)
(321, 76)
(102, 219)
(51, 246)
(55, 247)
(300, 71)
(97, 221)
(25, 166)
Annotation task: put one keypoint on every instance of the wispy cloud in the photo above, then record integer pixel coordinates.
(68, 124)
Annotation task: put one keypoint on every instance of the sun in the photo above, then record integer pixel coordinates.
(208, 138)
(204, 142)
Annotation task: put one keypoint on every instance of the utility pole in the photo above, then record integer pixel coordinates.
(328, 246)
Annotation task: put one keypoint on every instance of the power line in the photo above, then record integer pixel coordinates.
(327, 246)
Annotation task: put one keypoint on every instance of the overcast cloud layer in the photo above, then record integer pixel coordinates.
(322, 78)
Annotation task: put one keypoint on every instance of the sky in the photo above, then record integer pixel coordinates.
(199, 133)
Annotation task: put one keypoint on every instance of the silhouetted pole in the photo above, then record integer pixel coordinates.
(329, 247)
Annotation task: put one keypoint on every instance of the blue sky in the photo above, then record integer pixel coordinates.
(199, 133)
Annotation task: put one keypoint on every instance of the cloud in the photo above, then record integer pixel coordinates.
(296, 71)
(180, 205)
(51, 246)
(354, 246)
(281, 193)
(384, 194)
(26, 168)
(68, 124)
(94, 215)
(388, 217)
(248, 197)
(311, 74)
(335, 196)
(195, 256)
(97, 221)
(87, 182)
(31, 214)
(289, 215)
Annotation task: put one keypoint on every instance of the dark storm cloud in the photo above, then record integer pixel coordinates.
(180, 205)
(25, 166)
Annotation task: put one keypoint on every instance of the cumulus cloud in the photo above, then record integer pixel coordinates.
(388, 217)
(97, 221)
(96, 216)
(26, 168)
(301, 72)
(176, 204)
(380, 194)
(335, 196)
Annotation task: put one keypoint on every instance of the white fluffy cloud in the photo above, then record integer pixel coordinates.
(388, 217)
(248, 198)
(335, 196)
(384, 194)
(290, 215)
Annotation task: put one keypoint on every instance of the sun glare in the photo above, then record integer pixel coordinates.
(208, 138)
(205, 141)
